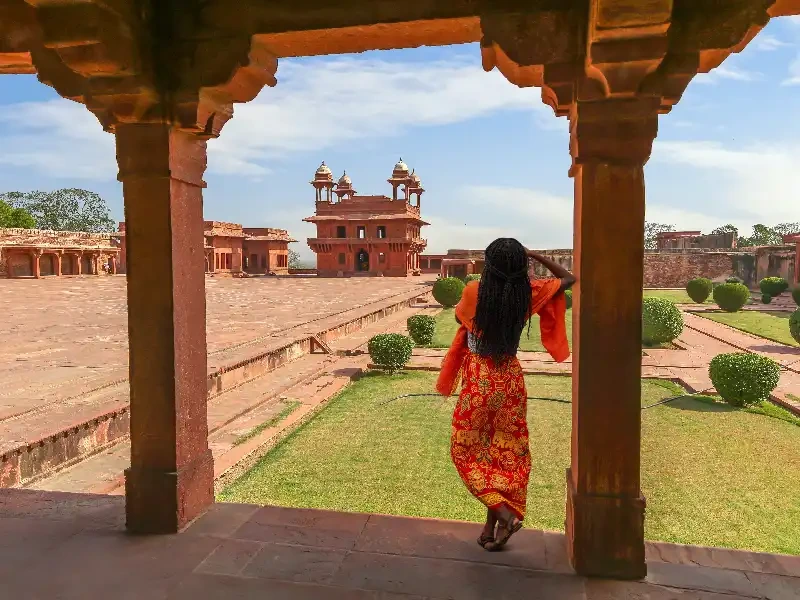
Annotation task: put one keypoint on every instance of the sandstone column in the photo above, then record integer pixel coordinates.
(37, 266)
(170, 480)
(57, 265)
(610, 142)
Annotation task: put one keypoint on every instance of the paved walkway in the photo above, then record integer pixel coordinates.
(701, 340)
(72, 546)
(64, 355)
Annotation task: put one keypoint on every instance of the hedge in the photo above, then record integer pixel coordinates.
(731, 297)
(774, 286)
(447, 291)
(699, 289)
(662, 322)
(744, 379)
(390, 350)
(421, 328)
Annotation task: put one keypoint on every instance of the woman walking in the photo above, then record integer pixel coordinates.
(489, 443)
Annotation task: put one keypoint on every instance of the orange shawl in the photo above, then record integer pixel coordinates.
(545, 301)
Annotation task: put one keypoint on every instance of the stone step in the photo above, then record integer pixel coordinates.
(233, 415)
(41, 442)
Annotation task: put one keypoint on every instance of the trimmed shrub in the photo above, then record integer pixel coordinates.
(794, 325)
(568, 294)
(766, 298)
(447, 291)
(472, 277)
(796, 294)
(699, 289)
(731, 297)
(421, 328)
(744, 379)
(662, 322)
(774, 286)
(734, 279)
(390, 350)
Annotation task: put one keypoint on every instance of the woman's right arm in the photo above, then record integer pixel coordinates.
(567, 278)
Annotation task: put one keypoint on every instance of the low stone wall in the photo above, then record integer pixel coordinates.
(302, 271)
(673, 268)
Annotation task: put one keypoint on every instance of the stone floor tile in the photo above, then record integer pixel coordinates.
(599, 589)
(453, 579)
(99, 564)
(318, 528)
(222, 519)
(209, 587)
(295, 563)
(448, 539)
(701, 578)
(229, 558)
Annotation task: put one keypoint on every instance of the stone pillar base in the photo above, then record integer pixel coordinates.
(605, 534)
(167, 501)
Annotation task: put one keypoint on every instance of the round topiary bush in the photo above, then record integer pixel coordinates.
(734, 279)
(794, 325)
(699, 289)
(447, 291)
(421, 328)
(568, 295)
(390, 350)
(662, 322)
(731, 297)
(766, 298)
(774, 286)
(796, 295)
(744, 379)
(472, 277)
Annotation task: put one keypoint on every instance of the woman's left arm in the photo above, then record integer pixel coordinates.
(567, 278)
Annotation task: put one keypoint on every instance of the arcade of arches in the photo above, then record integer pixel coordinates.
(164, 80)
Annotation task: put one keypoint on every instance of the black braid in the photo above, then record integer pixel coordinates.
(504, 299)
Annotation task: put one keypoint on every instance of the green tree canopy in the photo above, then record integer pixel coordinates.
(64, 210)
(651, 231)
(725, 229)
(294, 260)
(15, 217)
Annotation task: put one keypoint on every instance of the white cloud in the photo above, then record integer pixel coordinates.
(537, 219)
(58, 138)
(794, 73)
(727, 72)
(322, 103)
(767, 43)
(318, 103)
(758, 182)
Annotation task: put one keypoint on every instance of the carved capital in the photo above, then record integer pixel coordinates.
(618, 131)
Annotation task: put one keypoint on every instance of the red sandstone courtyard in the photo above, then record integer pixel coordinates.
(163, 79)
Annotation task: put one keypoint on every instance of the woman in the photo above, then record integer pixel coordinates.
(489, 444)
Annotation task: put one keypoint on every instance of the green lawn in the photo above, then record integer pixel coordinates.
(770, 325)
(446, 328)
(712, 475)
(676, 296)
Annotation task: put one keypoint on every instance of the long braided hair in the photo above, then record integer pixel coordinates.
(504, 299)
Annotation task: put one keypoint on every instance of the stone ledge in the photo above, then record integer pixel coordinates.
(61, 447)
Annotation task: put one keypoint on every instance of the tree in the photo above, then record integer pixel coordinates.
(651, 231)
(762, 236)
(64, 210)
(783, 229)
(15, 217)
(725, 229)
(294, 260)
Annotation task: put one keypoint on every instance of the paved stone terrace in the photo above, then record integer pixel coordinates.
(66, 337)
(72, 546)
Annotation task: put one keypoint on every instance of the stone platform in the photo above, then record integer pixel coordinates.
(63, 365)
(73, 546)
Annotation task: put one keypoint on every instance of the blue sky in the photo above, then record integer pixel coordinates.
(491, 156)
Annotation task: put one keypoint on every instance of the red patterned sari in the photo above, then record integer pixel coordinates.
(489, 442)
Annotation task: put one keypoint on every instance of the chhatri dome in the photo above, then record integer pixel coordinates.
(344, 180)
(323, 172)
(400, 169)
(414, 176)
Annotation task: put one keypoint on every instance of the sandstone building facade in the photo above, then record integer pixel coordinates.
(367, 235)
(40, 253)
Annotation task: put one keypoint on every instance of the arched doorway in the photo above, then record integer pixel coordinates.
(362, 261)
(87, 264)
(20, 265)
(68, 264)
(47, 265)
